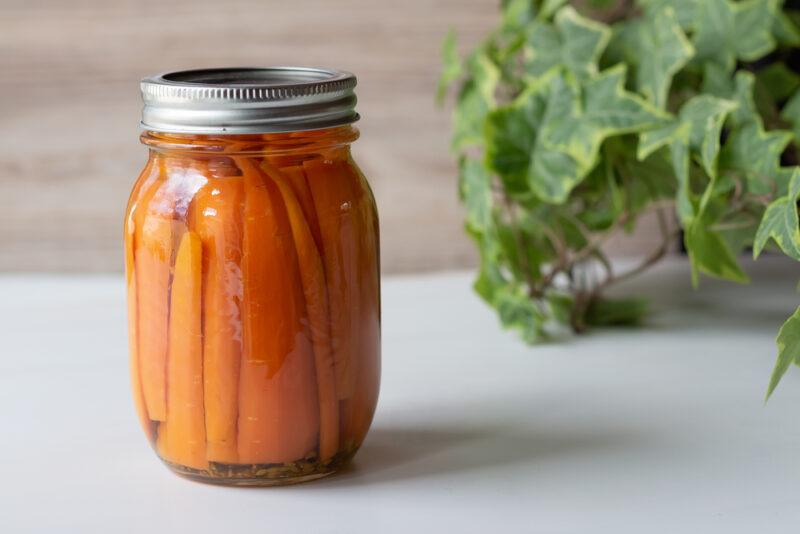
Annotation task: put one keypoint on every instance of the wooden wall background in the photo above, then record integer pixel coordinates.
(69, 109)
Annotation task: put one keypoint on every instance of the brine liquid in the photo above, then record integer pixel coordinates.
(254, 311)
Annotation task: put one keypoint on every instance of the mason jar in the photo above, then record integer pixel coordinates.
(253, 285)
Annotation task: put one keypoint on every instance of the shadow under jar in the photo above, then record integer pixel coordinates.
(252, 260)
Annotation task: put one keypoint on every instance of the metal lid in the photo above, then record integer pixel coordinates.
(248, 100)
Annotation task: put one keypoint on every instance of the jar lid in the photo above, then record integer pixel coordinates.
(248, 100)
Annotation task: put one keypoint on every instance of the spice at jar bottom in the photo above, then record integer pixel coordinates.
(252, 260)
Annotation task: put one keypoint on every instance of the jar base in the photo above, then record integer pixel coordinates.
(262, 475)
(196, 476)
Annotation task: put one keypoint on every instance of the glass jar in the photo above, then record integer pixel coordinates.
(252, 260)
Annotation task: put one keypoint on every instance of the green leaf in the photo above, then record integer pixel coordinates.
(755, 153)
(517, 14)
(780, 222)
(474, 101)
(475, 189)
(518, 312)
(574, 42)
(511, 134)
(788, 349)
(653, 140)
(709, 253)
(684, 9)
(490, 277)
(616, 312)
(717, 80)
(553, 174)
(515, 150)
(468, 117)
(791, 114)
(715, 24)
(782, 179)
(738, 230)
(679, 150)
(779, 81)
(726, 31)
(654, 174)
(510, 137)
(549, 8)
(706, 115)
(604, 198)
(623, 46)
(752, 35)
(743, 96)
(785, 30)
(663, 50)
(740, 89)
(451, 65)
(601, 110)
(512, 253)
(696, 132)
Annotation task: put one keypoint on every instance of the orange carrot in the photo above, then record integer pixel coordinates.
(299, 185)
(181, 438)
(145, 182)
(333, 202)
(153, 251)
(316, 298)
(294, 173)
(278, 406)
(269, 275)
(217, 219)
(133, 346)
(365, 396)
(349, 226)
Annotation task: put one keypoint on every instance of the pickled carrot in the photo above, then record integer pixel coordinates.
(365, 397)
(217, 219)
(278, 405)
(133, 359)
(316, 298)
(270, 279)
(299, 185)
(296, 176)
(182, 437)
(333, 202)
(133, 314)
(153, 252)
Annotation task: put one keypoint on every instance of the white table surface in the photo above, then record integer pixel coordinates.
(657, 430)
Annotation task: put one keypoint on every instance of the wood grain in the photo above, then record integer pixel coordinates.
(70, 108)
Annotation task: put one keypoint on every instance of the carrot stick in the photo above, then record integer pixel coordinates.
(365, 396)
(350, 241)
(333, 202)
(316, 298)
(268, 281)
(299, 184)
(217, 219)
(145, 182)
(133, 346)
(181, 438)
(153, 251)
(278, 406)
(293, 171)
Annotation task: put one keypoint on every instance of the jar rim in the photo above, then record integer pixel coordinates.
(279, 143)
(244, 100)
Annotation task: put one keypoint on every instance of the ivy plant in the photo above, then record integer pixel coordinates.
(574, 120)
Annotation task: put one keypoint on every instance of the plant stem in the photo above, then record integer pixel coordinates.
(666, 240)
